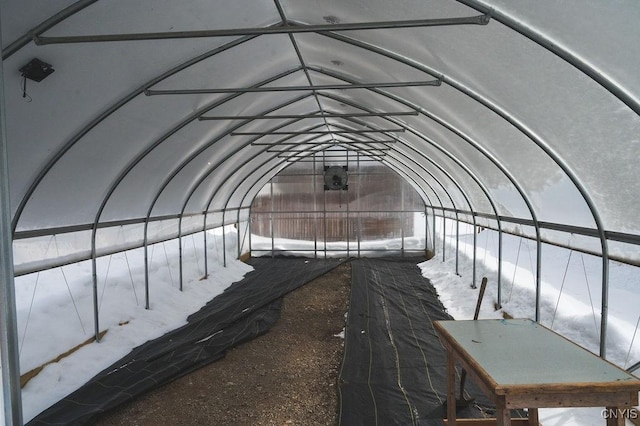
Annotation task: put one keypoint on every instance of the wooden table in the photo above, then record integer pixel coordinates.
(521, 364)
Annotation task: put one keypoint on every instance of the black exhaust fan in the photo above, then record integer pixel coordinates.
(335, 178)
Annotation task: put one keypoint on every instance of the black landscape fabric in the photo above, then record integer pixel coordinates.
(242, 312)
(394, 366)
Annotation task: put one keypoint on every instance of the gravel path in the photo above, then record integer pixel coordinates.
(285, 377)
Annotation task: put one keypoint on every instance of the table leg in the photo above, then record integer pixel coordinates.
(451, 389)
(614, 417)
(503, 414)
(533, 417)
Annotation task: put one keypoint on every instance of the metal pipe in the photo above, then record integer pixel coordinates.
(284, 29)
(9, 356)
(239, 241)
(317, 132)
(224, 242)
(145, 244)
(347, 146)
(94, 281)
(315, 207)
(180, 250)
(385, 142)
(44, 26)
(426, 229)
(313, 115)
(270, 216)
(373, 152)
(433, 234)
(150, 92)
(457, 243)
(206, 250)
(444, 235)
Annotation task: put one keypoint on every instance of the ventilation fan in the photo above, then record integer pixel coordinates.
(335, 178)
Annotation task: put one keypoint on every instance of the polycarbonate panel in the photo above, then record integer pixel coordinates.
(37, 253)
(214, 220)
(119, 238)
(160, 230)
(372, 216)
(192, 223)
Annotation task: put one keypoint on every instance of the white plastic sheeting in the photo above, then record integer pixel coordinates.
(541, 102)
(151, 125)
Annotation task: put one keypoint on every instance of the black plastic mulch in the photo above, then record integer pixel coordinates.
(394, 366)
(244, 311)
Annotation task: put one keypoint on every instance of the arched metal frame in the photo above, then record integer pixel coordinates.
(506, 20)
(489, 156)
(538, 141)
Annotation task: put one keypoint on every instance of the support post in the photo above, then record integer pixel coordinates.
(250, 230)
(433, 234)
(8, 320)
(457, 243)
(270, 219)
(94, 279)
(499, 266)
(444, 235)
(204, 237)
(224, 241)
(475, 251)
(538, 273)
(180, 249)
(239, 231)
(146, 263)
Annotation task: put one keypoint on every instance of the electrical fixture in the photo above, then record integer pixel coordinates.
(36, 70)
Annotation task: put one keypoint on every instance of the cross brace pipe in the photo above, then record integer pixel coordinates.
(316, 132)
(284, 29)
(391, 84)
(295, 116)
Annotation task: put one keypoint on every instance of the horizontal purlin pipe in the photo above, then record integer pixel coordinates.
(317, 132)
(383, 85)
(323, 153)
(296, 116)
(286, 154)
(285, 29)
(330, 148)
(334, 147)
(384, 142)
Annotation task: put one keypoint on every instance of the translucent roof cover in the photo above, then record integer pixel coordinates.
(525, 113)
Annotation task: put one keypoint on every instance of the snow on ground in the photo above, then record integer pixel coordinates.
(55, 307)
(55, 311)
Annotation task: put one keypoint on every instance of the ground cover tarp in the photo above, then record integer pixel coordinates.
(244, 311)
(394, 367)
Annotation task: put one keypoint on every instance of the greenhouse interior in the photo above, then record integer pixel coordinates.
(170, 171)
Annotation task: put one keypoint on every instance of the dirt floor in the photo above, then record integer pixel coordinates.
(285, 377)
